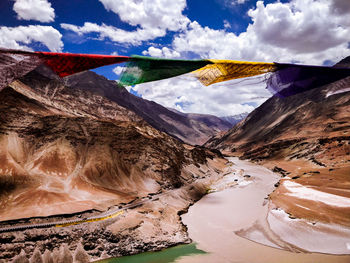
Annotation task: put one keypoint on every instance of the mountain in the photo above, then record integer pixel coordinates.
(194, 129)
(234, 119)
(71, 152)
(320, 112)
(305, 137)
(214, 123)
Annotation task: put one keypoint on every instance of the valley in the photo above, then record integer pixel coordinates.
(91, 172)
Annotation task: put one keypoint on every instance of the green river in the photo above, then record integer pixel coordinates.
(164, 256)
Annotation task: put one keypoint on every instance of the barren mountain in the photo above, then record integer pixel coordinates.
(66, 150)
(234, 119)
(194, 129)
(305, 137)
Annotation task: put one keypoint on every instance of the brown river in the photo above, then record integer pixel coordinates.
(213, 221)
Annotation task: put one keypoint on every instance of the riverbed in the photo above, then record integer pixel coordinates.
(214, 221)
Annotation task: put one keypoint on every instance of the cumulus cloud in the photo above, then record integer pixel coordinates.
(186, 94)
(152, 19)
(164, 14)
(116, 34)
(304, 31)
(161, 52)
(302, 26)
(307, 31)
(20, 37)
(39, 10)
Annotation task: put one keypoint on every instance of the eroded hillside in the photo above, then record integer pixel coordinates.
(68, 151)
(306, 138)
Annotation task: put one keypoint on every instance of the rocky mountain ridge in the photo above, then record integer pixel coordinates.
(194, 129)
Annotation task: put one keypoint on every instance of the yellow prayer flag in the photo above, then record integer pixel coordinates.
(223, 70)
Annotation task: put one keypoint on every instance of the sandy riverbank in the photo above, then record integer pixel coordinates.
(216, 220)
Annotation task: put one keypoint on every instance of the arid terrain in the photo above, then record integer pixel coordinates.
(89, 171)
(305, 138)
(68, 153)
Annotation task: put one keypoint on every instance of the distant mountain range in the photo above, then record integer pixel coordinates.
(234, 119)
(194, 129)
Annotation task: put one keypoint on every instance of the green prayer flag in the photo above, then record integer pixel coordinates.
(141, 69)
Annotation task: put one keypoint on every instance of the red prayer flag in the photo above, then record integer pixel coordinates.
(65, 64)
(17, 63)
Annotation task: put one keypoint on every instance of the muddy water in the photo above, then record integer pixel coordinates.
(213, 221)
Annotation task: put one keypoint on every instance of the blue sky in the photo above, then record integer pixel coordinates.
(303, 31)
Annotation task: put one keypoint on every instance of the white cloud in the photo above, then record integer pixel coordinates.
(302, 26)
(341, 7)
(39, 10)
(118, 70)
(163, 14)
(116, 34)
(152, 19)
(20, 37)
(231, 3)
(161, 52)
(207, 42)
(307, 31)
(188, 95)
(227, 24)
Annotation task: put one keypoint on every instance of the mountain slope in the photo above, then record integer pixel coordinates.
(71, 144)
(190, 128)
(306, 137)
(318, 113)
(67, 152)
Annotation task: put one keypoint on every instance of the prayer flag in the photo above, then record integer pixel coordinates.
(17, 63)
(223, 70)
(145, 69)
(290, 79)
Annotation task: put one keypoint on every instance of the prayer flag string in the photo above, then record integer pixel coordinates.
(284, 80)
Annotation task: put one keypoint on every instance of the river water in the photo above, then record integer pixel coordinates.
(163, 256)
(213, 220)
